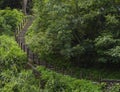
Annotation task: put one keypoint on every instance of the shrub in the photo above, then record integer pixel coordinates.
(54, 82)
(10, 54)
(23, 81)
(10, 19)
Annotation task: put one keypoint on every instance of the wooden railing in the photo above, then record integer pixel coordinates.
(20, 39)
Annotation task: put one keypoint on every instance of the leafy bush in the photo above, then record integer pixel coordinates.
(107, 48)
(23, 81)
(115, 88)
(11, 55)
(9, 20)
(54, 82)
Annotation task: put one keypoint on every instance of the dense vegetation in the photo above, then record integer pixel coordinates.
(74, 35)
(14, 78)
(54, 82)
(78, 31)
(9, 20)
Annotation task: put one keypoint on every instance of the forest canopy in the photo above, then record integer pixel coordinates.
(77, 30)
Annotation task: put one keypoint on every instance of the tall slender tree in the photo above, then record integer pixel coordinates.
(25, 6)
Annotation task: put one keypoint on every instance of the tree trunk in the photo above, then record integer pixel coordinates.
(25, 6)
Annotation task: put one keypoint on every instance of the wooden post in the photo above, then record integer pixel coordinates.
(18, 29)
(19, 41)
(21, 44)
(24, 47)
(33, 58)
(28, 52)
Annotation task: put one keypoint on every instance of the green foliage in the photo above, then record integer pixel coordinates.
(11, 55)
(107, 48)
(115, 88)
(9, 20)
(55, 82)
(76, 29)
(13, 78)
(18, 82)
